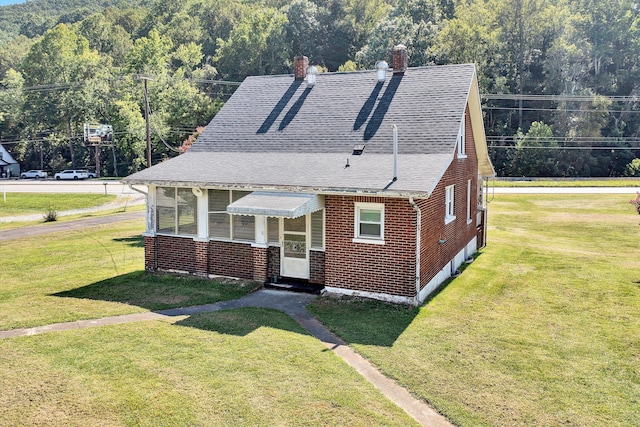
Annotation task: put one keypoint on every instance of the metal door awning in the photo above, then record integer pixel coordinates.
(287, 205)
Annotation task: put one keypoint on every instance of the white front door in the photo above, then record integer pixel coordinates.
(295, 248)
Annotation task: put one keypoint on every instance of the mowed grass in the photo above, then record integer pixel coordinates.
(96, 272)
(245, 367)
(543, 329)
(565, 182)
(38, 203)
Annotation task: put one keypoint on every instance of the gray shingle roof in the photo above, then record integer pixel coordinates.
(277, 133)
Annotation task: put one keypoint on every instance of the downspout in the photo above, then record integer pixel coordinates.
(135, 189)
(418, 236)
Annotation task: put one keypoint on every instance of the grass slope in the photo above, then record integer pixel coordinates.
(542, 329)
(17, 204)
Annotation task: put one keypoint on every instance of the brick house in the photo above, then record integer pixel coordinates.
(364, 183)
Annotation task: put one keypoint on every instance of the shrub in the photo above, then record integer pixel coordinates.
(50, 215)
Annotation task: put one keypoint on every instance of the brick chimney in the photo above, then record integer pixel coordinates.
(300, 64)
(400, 59)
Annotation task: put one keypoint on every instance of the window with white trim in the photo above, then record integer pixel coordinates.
(369, 222)
(449, 207)
(223, 225)
(176, 211)
(462, 150)
(317, 229)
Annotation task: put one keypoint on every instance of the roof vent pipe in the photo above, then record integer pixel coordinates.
(395, 157)
(395, 152)
(312, 72)
(381, 70)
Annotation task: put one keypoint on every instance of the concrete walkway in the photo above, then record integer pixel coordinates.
(291, 303)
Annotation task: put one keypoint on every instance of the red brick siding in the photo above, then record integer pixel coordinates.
(388, 268)
(150, 253)
(273, 268)
(316, 267)
(231, 259)
(260, 267)
(176, 253)
(433, 255)
(202, 258)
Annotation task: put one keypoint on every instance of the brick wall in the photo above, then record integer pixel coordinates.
(273, 262)
(434, 256)
(388, 268)
(150, 253)
(201, 258)
(231, 259)
(176, 253)
(316, 267)
(260, 266)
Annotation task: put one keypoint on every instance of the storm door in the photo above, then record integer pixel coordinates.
(295, 248)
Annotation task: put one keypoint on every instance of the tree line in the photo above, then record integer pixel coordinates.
(559, 78)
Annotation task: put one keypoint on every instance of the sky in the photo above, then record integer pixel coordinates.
(8, 2)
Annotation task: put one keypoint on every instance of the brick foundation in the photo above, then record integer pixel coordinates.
(260, 264)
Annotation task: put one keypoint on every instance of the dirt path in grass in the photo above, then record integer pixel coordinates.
(291, 303)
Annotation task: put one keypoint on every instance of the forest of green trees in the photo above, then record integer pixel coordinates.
(559, 78)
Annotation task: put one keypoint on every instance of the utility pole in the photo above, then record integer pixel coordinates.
(145, 79)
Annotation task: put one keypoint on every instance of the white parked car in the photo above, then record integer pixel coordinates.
(72, 174)
(90, 174)
(34, 173)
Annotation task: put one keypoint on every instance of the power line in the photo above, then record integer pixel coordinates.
(559, 98)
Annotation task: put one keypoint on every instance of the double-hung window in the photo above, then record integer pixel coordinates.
(176, 211)
(369, 223)
(449, 205)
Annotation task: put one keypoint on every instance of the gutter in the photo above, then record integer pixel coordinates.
(135, 189)
(418, 241)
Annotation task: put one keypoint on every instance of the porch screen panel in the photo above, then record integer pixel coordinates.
(219, 219)
(244, 227)
(273, 230)
(187, 212)
(166, 210)
(317, 230)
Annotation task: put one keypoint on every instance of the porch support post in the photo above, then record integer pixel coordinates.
(202, 241)
(260, 248)
(203, 214)
(151, 211)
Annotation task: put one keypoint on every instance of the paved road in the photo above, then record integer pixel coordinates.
(50, 186)
(77, 224)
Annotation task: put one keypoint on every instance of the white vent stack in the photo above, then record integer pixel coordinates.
(395, 152)
(381, 70)
(312, 72)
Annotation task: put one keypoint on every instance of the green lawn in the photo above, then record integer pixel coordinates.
(39, 203)
(542, 329)
(96, 272)
(202, 371)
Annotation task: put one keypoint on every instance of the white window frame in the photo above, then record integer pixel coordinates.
(176, 214)
(450, 197)
(358, 238)
(460, 142)
(231, 237)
